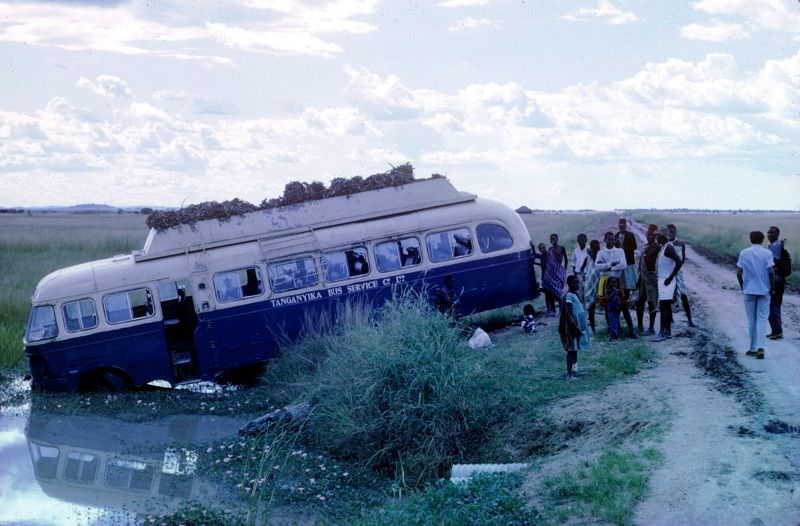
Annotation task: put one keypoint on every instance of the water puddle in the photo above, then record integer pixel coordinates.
(90, 469)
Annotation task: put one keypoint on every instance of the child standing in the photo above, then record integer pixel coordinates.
(573, 326)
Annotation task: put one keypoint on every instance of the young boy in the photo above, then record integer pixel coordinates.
(528, 324)
(573, 326)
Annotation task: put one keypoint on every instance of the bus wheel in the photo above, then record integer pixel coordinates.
(104, 381)
(111, 382)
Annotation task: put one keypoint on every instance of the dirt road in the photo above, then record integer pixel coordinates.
(732, 453)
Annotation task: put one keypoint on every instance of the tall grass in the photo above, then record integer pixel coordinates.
(33, 246)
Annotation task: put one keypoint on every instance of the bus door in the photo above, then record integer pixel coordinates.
(180, 322)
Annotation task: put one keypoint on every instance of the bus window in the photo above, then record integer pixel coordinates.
(79, 315)
(129, 305)
(492, 237)
(291, 275)
(394, 255)
(237, 284)
(42, 324)
(81, 467)
(345, 264)
(45, 460)
(449, 244)
(133, 474)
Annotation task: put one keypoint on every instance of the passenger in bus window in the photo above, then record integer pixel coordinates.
(411, 257)
(463, 244)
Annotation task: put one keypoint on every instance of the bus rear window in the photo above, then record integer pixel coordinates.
(42, 324)
(81, 467)
(492, 237)
(79, 315)
(292, 275)
(449, 244)
(237, 284)
(345, 264)
(397, 254)
(128, 305)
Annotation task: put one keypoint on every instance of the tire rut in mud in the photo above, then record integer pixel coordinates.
(718, 360)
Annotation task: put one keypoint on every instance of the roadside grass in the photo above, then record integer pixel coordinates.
(33, 246)
(727, 233)
(567, 225)
(605, 490)
(395, 435)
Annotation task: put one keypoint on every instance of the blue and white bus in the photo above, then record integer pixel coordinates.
(204, 299)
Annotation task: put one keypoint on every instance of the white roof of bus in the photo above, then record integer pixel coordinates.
(311, 215)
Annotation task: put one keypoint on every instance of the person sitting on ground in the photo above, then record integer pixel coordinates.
(611, 263)
(573, 327)
(668, 265)
(528, 324)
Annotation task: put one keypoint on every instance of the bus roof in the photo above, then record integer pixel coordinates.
(304, 217)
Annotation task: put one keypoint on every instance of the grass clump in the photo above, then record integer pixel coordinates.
(399, 392)
(604, 490)
(484, 500)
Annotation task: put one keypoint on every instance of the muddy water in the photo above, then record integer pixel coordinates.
(90, 469)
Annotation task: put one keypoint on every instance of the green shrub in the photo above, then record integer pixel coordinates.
(398, 391)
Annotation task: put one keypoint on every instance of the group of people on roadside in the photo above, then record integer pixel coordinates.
(613, 275)
(616, 276)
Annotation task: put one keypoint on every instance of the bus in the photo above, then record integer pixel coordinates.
(204, 299)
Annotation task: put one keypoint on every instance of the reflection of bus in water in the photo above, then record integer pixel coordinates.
(215, 296)
(114, 464)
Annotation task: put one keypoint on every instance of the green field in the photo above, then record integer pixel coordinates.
(33, 246)
(727, 233)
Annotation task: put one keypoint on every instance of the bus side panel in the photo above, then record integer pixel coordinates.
(140, 351)
(487, 284)
(235, 337)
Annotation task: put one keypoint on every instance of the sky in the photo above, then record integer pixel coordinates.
(551, 104)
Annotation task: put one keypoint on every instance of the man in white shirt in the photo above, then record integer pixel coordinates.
(611, 262)
(756, 276)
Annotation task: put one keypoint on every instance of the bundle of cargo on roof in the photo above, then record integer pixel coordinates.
(294, 193)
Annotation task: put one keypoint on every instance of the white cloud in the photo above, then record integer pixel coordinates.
(284, 28)
(384, 97)
(470, 23)
(604, 9)
(464, 3)
(715, 32)
(106, 86)
(778, 15)
(197, 103)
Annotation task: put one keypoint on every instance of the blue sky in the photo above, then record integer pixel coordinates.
(561, 104)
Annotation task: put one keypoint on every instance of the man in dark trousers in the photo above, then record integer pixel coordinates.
(627, 242)
(776, 300)
(680, 289)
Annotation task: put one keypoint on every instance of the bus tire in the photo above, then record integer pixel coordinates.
(105, 381)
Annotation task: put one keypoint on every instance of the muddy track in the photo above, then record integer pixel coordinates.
(732, 453)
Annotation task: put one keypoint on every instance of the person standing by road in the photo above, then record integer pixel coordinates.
(776, 300)
(611, 263)
(648, 281)
(555, 272)
(680, 281)
(580, 257)
(591, 280)
(668, 265)
(627, 242)
(756, 275)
